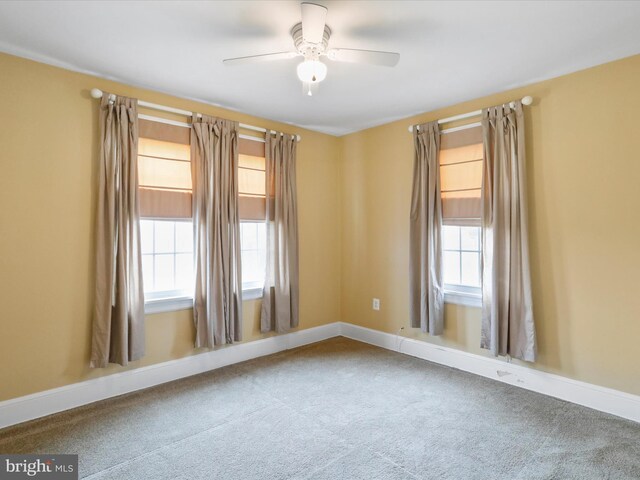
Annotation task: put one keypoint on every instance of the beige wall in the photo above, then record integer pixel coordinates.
(48, 145)
(583, 171)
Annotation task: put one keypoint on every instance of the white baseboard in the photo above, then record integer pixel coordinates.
(40, 404)
(607, 400)
(29, 407)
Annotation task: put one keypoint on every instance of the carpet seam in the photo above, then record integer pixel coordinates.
(175, 442)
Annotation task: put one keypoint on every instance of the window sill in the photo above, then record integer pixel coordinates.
(466, 299)
(172, 304)
(168, 304)
(251, 293)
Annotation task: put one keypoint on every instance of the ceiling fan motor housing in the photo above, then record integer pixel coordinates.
(310, 51)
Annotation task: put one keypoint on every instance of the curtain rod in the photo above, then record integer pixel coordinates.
(97, 93)
(528, 100)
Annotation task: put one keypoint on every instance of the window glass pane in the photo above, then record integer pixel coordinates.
(262, 250)
(164, 237)
(250, 267)
(184, 237)
(451, 237)
(451, 265)
(146, 236)
(470, 238)
(184, 271)
(147, 272)
(164, 272)
(249, 236)
(470, 269)
(254, 244)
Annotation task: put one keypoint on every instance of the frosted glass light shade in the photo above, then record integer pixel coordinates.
(312, 71)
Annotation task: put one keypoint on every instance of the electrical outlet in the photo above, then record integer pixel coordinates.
(376, 304)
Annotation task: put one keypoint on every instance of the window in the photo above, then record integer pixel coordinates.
(167, 258)
(461, 164)
(166, 227)
(461, 262)
(252, 206)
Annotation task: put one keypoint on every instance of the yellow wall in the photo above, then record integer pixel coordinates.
(48, 155)
(583, 169)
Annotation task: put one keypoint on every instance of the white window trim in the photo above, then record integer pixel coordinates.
(251, 293)
(167, 304)
(462, 295)
(173, 303)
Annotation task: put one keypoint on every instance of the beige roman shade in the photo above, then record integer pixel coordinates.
(461, 163)
(164, 170)
(251, 180)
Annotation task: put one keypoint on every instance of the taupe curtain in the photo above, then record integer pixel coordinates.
(507, 313)
(280, 295)
(118, 319)
(425, 248)
(217, 305)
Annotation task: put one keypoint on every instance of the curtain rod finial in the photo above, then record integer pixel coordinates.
(528, 100)
(96, 93)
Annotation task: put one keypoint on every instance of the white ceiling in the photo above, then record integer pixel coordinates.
(450, 51)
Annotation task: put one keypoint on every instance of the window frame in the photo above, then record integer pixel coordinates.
(465, 295)
(167, 300)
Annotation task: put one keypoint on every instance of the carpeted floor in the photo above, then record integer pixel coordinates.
(338, 409)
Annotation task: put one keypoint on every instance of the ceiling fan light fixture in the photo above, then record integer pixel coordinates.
(312, 71)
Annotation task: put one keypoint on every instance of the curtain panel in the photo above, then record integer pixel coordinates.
(507, 312)
(218, 290)
(280, 300)
(425, 247)
(118, 319)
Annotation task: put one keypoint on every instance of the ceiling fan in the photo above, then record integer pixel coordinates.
(311, 39)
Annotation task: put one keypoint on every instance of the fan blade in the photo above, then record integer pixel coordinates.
(313, 21)
(373, 57)
(267, 57)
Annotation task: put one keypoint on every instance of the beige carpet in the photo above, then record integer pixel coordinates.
(338, 409)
